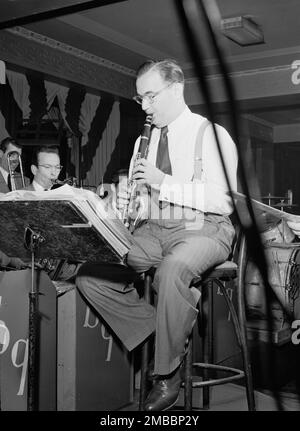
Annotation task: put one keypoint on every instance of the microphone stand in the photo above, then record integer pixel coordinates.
(32, 240)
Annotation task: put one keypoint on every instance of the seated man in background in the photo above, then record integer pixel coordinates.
(9, 145)
(45, 168)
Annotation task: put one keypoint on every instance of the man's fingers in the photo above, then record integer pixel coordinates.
(124, 194)
(139, 169)
(121, 203)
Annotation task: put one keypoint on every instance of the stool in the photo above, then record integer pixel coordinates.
(224, 272)
(229, 270)
(148, 277)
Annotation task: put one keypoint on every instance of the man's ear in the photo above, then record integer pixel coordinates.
(178, 89)
(1, 154)
(33, 169)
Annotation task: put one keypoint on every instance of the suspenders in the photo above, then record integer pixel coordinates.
(198, 169)
(198, 159)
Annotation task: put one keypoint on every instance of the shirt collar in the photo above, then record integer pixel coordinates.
(37, 187)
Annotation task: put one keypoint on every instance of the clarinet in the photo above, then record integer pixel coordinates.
(142, 153)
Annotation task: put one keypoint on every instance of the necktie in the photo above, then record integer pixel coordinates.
(162, 159)
(9, 182)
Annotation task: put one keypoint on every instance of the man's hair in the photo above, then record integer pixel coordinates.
(6, 141)
(169, 70)
(43, 149)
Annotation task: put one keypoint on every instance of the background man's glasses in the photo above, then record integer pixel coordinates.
(49, 167)
(150, 97)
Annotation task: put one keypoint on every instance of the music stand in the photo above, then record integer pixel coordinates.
(32, 241)
(57, 229)
(67, 232)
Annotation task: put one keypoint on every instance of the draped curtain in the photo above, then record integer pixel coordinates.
(104, 150)
(93, 120)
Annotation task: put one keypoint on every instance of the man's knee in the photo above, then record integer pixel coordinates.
(138, 263)
(82, 283)
(172, 268)
(117, 273)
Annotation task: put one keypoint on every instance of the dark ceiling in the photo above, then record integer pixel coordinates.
(128, 32)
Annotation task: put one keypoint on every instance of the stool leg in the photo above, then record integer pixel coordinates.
(208, 347)
(242, 320)
(240, 331)
(145, 350)
(245, 350)
(143, 382)
(188, 382)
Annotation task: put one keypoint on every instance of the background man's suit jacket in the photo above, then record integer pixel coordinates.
(4, 187)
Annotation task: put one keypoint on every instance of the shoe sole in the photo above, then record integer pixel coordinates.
(169, 407)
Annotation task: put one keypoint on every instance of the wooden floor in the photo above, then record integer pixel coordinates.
(231, 397)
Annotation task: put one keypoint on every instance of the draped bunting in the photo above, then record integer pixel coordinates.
(94, 120)
(103, 152)
(60, 93)
(21, 89)
(9, 109)
(73, 105)
(89, 107)
(37, 97)
(96, 136)
(3, 132)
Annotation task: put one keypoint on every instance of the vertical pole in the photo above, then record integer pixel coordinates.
(188, 376)
(32, 403)
(80, 179)
(145, 349)
(208, 340)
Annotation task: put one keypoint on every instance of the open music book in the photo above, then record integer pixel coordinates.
(75, 223)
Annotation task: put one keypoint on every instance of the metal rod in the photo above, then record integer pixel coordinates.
(32, 403)
(145, 349)
(45, 12)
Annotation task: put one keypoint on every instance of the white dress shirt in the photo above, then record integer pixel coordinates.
(209, 194)
(4, 174)
(37, 187)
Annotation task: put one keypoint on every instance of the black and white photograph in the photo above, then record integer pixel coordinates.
(149, 210)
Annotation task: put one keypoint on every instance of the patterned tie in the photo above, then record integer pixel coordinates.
(9, 182)
(162, 158)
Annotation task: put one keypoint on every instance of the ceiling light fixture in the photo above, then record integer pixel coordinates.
(242, 30)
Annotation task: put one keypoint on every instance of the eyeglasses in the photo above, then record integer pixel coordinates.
(150, 97)
(49, 167)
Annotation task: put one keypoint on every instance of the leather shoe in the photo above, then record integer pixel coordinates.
(152, 376)
(165, 392)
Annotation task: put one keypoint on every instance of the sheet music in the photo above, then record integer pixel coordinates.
(102, 217)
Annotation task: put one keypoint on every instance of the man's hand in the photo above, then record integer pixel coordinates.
(14, 262)
(17, 263)
(122, 200)
(122, 196)
(146, 173)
